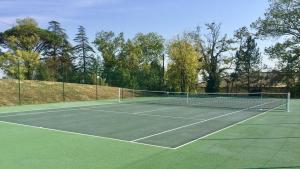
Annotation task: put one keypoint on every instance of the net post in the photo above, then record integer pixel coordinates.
(187, 97)
(133, 93)
(119, 95)
(261, 100)
(288, 102)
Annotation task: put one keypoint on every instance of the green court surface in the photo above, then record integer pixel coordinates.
(112, 135)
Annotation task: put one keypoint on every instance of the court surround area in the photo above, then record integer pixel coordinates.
(151, 120)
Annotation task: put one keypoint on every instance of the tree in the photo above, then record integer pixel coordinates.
(58, 54)
(24, 42)
(27, 22)
(27, 36)
(111, 47)
(149, 50)
(83, 52)
(19, 64)
(129, 62)
(288, 56)
(96, 68)
(282, 21)
(247, 59)
(135, 63)
(215, 49)
(183, 67)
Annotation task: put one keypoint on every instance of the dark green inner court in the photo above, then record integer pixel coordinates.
(137, 122)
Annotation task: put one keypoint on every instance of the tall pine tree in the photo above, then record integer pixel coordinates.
(247, 58)
(84, 54)
(59, 53)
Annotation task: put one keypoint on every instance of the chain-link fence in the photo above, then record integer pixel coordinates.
(52, 87)
(18, 92)
(49, 83)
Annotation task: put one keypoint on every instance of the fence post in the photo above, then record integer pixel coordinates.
(97, 80)
(119, 99)
(19, 82)
(261, 100)
(97, 90)
(288, 102)
(63, 82)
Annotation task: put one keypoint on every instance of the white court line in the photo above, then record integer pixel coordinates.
(133, 142)
(41, 112)
(81, 134)
(215, 132)
(199, 122)
(25, 114)
(38, 111)
(57, 109)
(153, 110)
(150, 115)
(104, 111)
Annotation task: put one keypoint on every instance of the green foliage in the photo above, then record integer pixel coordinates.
(95, 70)
(58, 54)
(19, 64)
(282, 20)
(215, 50)
(26, 36)
(84, 53)
(42, 72)
(247, 59)
(27, 22)
(24, 42)
(135, 63)
(288, 56)
(149, 50)
(139, 62)
(183, 68)
(110, 47)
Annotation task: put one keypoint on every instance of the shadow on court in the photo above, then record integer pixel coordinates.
(252, 138)
(282, 167)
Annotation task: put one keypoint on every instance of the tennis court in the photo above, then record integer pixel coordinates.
(164, 119)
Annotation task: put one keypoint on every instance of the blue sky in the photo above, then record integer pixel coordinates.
(166, 17)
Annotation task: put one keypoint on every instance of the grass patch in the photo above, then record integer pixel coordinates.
(37, 92)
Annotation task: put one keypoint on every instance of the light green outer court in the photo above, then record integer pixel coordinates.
(271, 140)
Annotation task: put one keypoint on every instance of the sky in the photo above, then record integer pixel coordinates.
(166, 17)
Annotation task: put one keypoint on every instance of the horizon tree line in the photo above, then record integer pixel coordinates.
(148, 61)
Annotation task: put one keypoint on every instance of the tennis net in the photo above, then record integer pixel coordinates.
(260, 101)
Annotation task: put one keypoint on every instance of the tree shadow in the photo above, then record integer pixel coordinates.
(250, 138)
(284, 115)
(267, 124)
(274, 167)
